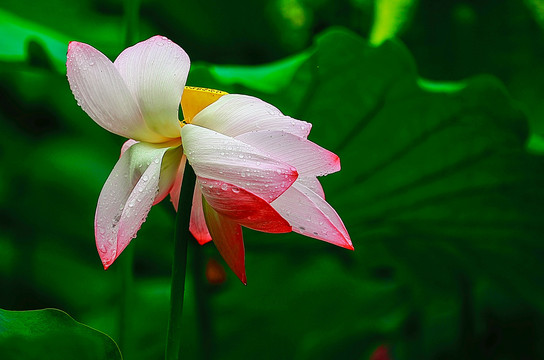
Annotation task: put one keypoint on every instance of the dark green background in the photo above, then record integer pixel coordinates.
(442, 185)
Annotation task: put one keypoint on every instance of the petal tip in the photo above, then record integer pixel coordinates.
(106, 264)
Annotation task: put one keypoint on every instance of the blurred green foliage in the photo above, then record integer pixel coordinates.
(441, 196)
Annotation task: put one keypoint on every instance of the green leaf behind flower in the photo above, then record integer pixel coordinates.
(51, 334)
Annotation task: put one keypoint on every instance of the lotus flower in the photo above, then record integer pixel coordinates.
(255, 166)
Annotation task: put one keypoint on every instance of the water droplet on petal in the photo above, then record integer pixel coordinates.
(224, 187)
(235, 190)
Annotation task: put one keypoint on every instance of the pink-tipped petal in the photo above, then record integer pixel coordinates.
(216, 156)
(242, 206)
(176, 188)
(126, 198)
(307, 157)
(312, 216)
(155, 71)
(227, 237)
(103, 94)
(197, 224)
(235, 114)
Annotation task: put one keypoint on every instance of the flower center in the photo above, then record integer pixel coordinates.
(194, 99)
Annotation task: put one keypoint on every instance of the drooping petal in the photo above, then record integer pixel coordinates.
(155, 72)
(307, 157)
(103, 94)
(216, 156)
(197, 224)
(176, 188)
(125, 200)
(227, 237)
(235, 114)
(169, 172)
(242, 206)
(312, 216)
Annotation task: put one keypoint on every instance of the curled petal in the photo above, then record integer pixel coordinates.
(227, 237)
(234, 114)
(219, 157)
(307, 157)
(312, 216)
(242, 206)
(197, 224)
(103, 94)
(126, 198)
(126, 145)
(155, 72)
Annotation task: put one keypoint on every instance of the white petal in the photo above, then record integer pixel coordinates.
(219, 157)
(307, 157)
(102, 93)
(128, 194)
(310, 215)
(155, 72)
(235, 114)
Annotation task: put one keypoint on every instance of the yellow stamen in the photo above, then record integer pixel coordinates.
(195, 99)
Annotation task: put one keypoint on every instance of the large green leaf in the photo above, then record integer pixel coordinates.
(436, 190)
(51, 334)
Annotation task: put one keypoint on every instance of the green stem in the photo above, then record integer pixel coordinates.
(179, 264)
(202, 303)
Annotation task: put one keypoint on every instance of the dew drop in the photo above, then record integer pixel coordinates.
(235, 190)
(224, 187)
(145, 177)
